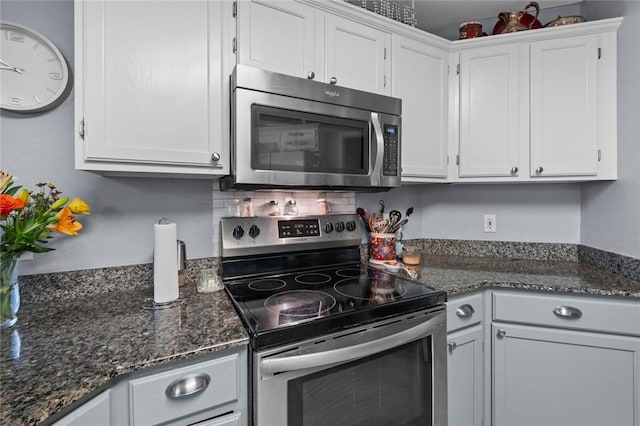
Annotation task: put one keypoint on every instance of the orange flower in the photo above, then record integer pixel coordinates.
(67, 223)
(9, 204)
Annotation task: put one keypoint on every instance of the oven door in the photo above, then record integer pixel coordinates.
(386, 373)
(285, 141)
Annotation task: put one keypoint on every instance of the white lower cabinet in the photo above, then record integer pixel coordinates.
(465, 360)
(96, 412)
(465, 368)
(210, 392)
(562, 360)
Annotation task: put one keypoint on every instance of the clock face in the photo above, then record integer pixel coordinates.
(33, 72)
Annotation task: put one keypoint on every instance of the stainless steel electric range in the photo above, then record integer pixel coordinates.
(327, 330)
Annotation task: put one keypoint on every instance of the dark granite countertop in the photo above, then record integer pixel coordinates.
(459, 275)
(65, 349)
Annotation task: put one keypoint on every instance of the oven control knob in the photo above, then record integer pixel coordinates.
(238, 232)
(254, 231)
(351, 226)
(339, 226)
(328, 227)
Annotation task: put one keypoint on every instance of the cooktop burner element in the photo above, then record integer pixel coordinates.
(313, 278)
(315, 285)
(266, 284)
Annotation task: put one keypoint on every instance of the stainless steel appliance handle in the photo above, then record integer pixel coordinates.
(379, 149)
(301, 362)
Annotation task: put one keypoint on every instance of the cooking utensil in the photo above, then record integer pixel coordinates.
(394, 217)
(381, 207)
(360, 211)
(409, 212)
(397, 226)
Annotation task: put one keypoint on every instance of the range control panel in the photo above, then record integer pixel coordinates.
(260, 235)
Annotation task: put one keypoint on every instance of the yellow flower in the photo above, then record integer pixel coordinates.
(79, 206)
(67, 223)
(23, 195)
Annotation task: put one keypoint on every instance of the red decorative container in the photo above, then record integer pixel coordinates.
(382, 246)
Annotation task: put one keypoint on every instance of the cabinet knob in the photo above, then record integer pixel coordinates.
(501, 333)
(215, 157)
(567, 312)
(333, 80)
(311, 75)
(189, 385)
(514, 170)
(465, 311)
(539, 170)
(452, 345)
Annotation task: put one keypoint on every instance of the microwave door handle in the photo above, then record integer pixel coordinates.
(350, 353)
(379, 148)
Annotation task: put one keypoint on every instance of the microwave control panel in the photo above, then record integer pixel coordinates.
(390, 158)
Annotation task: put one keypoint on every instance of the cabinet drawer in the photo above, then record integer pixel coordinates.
(464, 311)
(151, 404)
(576, 312)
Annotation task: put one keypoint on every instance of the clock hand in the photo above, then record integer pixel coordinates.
(6, 66)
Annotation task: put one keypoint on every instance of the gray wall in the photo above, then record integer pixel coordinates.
(37, 147)
(611, 211)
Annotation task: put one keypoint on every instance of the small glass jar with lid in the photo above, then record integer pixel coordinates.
(273, 208)
(290, 208)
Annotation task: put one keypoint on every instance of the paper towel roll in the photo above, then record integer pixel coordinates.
(165, 266)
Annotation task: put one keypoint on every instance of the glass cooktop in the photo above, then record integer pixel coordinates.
(280, 308)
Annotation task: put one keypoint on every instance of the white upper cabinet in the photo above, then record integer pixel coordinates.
(537, 105)
(420, 79)
(564, 100)
(279, 36)
(297, 39)
(152, 87)
(493, 100)
(356, 55)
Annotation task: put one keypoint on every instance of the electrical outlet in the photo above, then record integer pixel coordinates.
(489, 223)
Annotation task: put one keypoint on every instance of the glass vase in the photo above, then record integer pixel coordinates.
(9, 291)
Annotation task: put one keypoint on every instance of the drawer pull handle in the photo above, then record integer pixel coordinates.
(452, 345)
(567, 312)
(188, 386)
(501, 333)
(465, 311)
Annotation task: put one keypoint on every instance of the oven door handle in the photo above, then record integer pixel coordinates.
(350, 353)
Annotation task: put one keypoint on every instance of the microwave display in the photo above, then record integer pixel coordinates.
(286, 140)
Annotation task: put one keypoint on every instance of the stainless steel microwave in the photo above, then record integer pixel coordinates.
(293, 133)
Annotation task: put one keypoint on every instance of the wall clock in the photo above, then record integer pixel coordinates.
(34, 75)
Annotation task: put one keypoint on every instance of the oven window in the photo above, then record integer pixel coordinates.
(391, 388)
(304, 142)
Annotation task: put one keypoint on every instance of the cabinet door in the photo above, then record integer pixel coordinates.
(356, 55)
(279, 36)
(96, 412)
(564, 118)
(465, 369)
(420, 79)
(493, 111)
(545, 376)
(152, 88)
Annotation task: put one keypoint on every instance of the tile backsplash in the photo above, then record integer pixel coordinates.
(224, 203)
